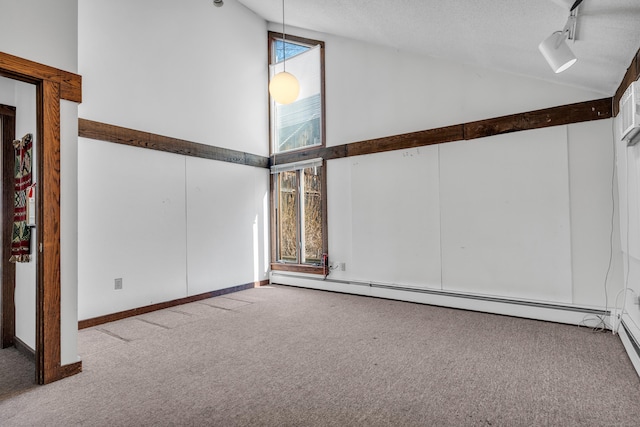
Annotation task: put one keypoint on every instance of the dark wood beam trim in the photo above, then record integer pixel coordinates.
(555, 116)
(563, 115)
(23, 69)
(326, 153)
(95, 321)
(135, 138)
(632, 74)
(407, 140)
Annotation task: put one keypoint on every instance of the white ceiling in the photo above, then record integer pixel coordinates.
(497, 34)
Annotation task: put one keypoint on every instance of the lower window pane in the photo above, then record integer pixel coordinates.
(288, 217)
(312, 215)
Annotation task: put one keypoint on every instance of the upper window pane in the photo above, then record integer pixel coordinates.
(299, 124)
(287, 50)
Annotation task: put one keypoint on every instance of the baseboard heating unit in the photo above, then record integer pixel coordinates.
(538, 310)
(630, 344)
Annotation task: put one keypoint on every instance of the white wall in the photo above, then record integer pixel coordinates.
(47, 32)
(524, 216)
(41, 30)
(505, 216)
(69, 231)
(415, 201)
(168, 225)
(131, 226)
(374, 91)
(25, 292)
(395, 232)
(628, 178)
(185, 69)
(594, 207)
(227, 225)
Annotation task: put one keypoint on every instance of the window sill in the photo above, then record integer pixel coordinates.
(297, 268)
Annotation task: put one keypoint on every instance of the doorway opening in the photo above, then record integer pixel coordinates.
(51, 86)
(21, 358)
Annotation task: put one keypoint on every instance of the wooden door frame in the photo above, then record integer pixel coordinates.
(52, 86)
(8, 332)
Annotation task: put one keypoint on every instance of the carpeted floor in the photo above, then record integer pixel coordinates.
(17, 373)
(283, 356)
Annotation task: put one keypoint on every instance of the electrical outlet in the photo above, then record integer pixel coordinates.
(343, 266)
(117, 284)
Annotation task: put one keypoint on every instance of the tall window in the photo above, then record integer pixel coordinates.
(300, 124)
(298, 216)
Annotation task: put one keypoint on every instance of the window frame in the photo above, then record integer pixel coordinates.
(297, 266)
(299, 154)
(272, 37)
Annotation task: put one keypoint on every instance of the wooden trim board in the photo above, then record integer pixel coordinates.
(95, 321)
(24, 349)
(33, 72)
(555, 116)
(48, 215)
(119, 135)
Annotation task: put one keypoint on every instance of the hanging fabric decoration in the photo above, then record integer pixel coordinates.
(21, 236)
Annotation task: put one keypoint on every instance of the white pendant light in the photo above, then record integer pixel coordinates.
(284, 87)
(557, 53)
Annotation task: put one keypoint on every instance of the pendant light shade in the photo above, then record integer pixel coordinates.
(284, 88)
(556, 51)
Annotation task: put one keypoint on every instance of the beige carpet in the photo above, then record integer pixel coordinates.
(284, 356)
(17, 373)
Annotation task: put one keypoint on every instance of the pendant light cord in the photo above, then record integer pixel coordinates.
(284, 42)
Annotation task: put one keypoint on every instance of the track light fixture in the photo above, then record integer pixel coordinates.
(555, 49)
(218, 3)
(284, 87)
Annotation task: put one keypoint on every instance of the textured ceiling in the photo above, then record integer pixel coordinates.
(497, 34)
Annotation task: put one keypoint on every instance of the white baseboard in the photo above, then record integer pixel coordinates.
(569, 314)
(630, 335)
